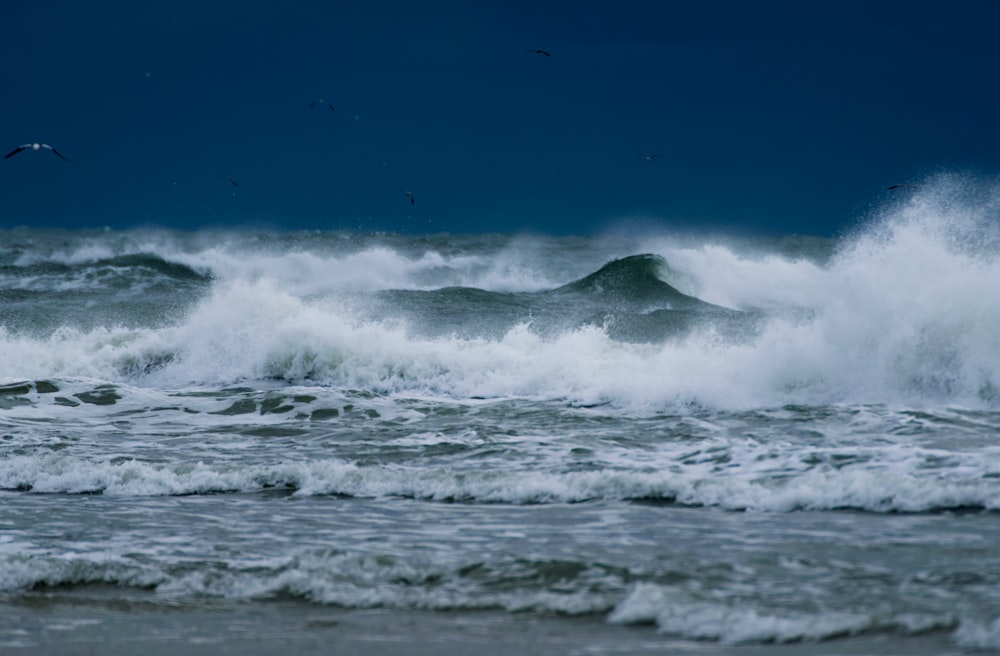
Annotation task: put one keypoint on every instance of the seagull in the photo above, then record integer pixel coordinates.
(903, 186)
(540, 52)
(233, 180)
(650, 157)
(409, 194)
(320, 101)
(35, 147)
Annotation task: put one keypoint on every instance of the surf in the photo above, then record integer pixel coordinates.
(900, 311)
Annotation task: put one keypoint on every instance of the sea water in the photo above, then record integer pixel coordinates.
(504, 443)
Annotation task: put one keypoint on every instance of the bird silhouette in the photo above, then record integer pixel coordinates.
(36, 147)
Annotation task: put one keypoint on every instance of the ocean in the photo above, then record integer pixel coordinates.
(245, 441)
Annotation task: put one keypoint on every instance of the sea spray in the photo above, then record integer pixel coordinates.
(734, 440)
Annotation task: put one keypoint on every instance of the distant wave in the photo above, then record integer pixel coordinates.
(632, 281)
(626, 297)
(153, 262)
(134, 262)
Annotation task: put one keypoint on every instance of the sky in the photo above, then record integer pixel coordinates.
(768, 117)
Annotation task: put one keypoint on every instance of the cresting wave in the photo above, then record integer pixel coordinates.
(904, 312)
(879, 480)
(550, 426)
(677, 612)
(359, 580)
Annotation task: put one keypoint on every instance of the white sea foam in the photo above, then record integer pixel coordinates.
(756, 479)
(90, 251)
(904, 313)
(26, 570)
(900, 348)
(347, 579)
(677, 612)
(363, 581)
(328, 267)
(437, 581)
(979, 635)
(724, 276)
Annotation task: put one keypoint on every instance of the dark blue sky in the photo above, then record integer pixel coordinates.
(768, 116)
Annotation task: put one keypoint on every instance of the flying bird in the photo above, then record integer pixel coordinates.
(540, 52)
(903, 186)
(320, 101)
(650, 157)
(35, 147)
(233, 180)
(409, 194)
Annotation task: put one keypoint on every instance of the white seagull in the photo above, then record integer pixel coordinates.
(35, 147)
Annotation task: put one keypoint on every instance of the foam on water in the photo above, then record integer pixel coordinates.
(425, 580)
(776, 478)
(676, 611)
(346, 579)
(905, 312)
(274, 429)
(979, 635)
(325, 265)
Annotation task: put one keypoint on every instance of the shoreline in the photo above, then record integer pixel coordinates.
(81, 623)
